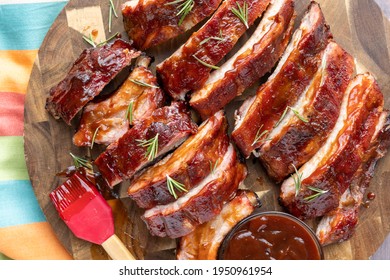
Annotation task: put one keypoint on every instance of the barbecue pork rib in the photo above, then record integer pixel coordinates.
(330, 172)
(204, 242)
(111, 118)
(189, 67)
(170, 125)
(201, 203)
(189, 164)
(340, 224)
(297, 67)
(254, 59)
(152, 22)
(90, 73)
(294, 141)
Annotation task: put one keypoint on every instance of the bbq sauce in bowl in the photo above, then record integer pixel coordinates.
(271, 235)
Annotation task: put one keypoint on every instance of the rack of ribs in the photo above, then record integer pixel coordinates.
(90, 73)
(189, 67)
(170, 126)
(110, 117)
(294, 141)
(254, 59)
(204, 242)
(152, 22)
(201, 203)
(258, 114)
(189, 164)
(331, 171)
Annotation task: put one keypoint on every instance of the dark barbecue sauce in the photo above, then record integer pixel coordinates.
(272, 237)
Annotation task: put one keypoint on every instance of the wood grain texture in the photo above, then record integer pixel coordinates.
(358, 25)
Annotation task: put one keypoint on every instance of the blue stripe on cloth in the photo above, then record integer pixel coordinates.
(24, 26)
(18, 204)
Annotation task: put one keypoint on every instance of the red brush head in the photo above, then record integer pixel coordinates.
(83, 209)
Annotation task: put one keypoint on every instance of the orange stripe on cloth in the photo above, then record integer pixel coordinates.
(11, 114)
(35, 241)
(15, 69)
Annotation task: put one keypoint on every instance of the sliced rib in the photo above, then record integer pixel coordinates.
(189, 164)
(123, 158)
(151, 22)
(204, 242)
(294, 141)
(182, 72)
(201, 203)
(333, 167)
(110, 118)
(340, 224)
(254, 59)
(90, 73)
(294, 72)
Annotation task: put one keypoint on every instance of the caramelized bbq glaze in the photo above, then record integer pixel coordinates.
(90, 73)
(152, 22)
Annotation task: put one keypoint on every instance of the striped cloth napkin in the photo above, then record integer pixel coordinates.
(24, 231)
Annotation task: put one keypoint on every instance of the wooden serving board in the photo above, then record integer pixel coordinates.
(358, 25)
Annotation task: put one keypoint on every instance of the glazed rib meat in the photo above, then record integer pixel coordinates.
(254, 59)
(204, 242)
(90, 73)
(170, 125)
(151, 22)
(294, 141)
(340, 224)
(201, 203)
(189, 67)
(330, 172)
(189, 164)
(297, 67)
(110, 118)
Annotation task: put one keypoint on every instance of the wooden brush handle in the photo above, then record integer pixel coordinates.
(116, 249)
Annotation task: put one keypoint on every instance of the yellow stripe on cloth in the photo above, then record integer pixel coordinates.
(35, 241)
(15, 69)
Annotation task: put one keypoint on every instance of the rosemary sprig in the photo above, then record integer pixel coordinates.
(89, 40)
(173, 184)
(317, 192)
(296, 113)
(81, 162)
(297, 180)
(220, 38)
(213, 167)
(259, 135)
(141, 83)
(185, 8)
(108, 40)
(151, 146)
(129, 112)
(94, 136)
(242, 13)
(205, 63)
(110, 11)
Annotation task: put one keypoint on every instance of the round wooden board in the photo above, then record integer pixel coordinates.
(357, 25)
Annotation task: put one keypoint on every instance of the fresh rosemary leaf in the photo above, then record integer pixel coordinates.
(109, 39)
(112, 7)
(109, 19)
(213, 166)
(89, 40)
(151, 146)
(141, 83)
(282, 116)
(297, 180)
(173, 184)
(129, 112)
(206, 64)
(259, 135)
(81, 162)
(220, 38)
(299, 116)
(242, 13)
(317, 192)
(94, 136)
(185, 8)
